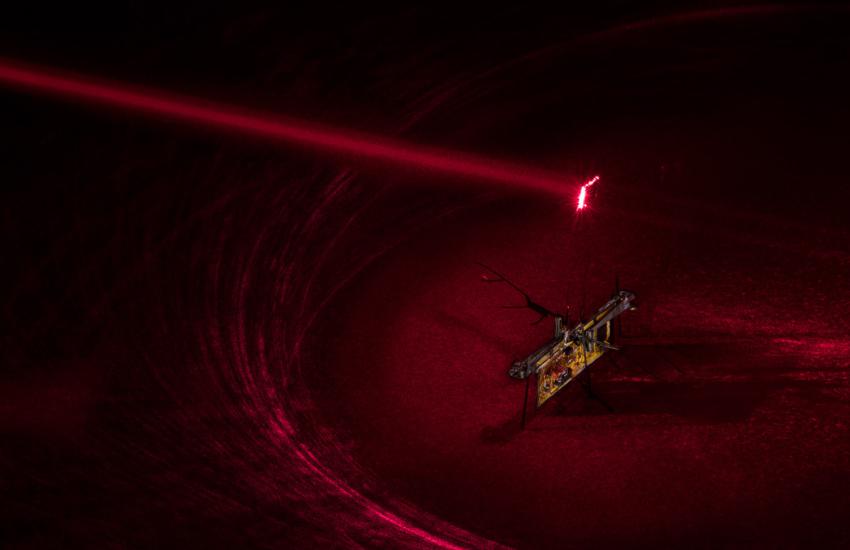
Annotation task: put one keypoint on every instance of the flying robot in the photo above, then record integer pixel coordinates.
(570, 352)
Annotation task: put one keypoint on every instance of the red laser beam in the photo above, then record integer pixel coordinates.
(582, 194)
(337, 141)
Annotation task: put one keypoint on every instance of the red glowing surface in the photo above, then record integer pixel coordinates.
(273, 355)
(336, 141)
(582, 195)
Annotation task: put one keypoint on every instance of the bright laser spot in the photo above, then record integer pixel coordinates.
(582, 194)
(336, 141)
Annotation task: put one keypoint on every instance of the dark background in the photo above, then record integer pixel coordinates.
(213, 340)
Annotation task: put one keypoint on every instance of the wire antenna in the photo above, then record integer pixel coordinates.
(534, 306)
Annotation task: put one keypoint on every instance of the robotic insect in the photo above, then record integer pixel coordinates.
(571, 351)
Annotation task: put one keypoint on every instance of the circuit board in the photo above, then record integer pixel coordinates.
(563, 365)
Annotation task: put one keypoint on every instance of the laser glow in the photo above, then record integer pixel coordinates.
(336, 141)
(582, 194)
